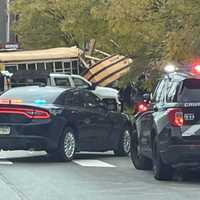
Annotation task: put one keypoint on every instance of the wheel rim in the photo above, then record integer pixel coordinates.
(69, 144)
(127, 141)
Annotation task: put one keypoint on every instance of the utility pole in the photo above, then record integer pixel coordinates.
(8, 21)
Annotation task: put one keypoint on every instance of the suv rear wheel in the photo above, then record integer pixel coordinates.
(161, 170)
(139, 161)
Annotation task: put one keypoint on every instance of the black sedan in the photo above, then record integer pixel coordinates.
(61, 122)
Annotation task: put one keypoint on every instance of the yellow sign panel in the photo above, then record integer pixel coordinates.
(2, 67)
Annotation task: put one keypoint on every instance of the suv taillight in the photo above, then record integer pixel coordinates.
(176, 117)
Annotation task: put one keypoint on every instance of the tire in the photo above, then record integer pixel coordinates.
(67, 146)
(124, 143)
(139, 161)
(161, 171)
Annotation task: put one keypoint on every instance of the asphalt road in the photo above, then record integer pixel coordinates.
(89, 177)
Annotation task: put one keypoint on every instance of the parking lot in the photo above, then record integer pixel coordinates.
(29, 176)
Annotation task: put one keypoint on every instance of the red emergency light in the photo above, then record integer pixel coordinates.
(196, 69)
(196, 66)
(143, 107)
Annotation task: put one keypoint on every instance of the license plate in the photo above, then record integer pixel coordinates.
(4, 130)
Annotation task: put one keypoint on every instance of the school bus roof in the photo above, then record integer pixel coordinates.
(40, 55)
(108, 70)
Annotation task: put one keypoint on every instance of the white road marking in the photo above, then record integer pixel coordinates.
(5, 162)
(92, 163)
(191, 131)
(20, 154)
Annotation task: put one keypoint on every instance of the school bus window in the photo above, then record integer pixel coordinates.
(74, 67)
(40, 67)
(22, 67)
(31, 67)
(58, 66)
(11, 68)
(67, 67)
(49, 67)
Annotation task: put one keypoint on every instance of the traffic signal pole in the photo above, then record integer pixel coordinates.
(8, 22)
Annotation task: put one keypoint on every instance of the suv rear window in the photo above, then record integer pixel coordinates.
(190, 91)
(62, 82)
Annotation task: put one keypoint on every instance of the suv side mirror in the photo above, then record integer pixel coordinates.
(147, 97)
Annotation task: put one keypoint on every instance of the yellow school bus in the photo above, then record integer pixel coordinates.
(62, 60)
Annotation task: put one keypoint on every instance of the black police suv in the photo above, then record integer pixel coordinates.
(61, 121)
(167, 135)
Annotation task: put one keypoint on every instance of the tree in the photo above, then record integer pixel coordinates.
(35, 29)
(155, 32)
(137, 28)
(152, 32)
(50, 23)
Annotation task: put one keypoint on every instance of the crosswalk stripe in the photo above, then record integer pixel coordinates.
(92, 163)
(191, 130)
(6, 155)
(5, 162)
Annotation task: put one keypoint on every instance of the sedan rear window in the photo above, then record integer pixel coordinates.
(33, 94)
(190, 91)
